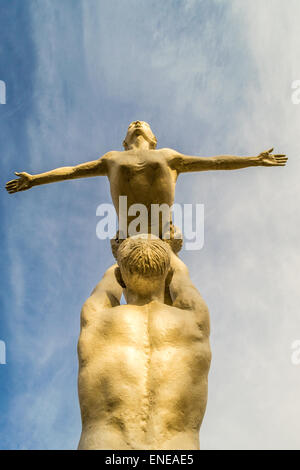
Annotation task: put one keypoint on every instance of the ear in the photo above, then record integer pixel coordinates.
(119, 278)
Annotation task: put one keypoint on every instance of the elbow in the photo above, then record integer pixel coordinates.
(75, 172)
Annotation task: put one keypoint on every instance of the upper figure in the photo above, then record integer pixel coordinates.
(141, 172)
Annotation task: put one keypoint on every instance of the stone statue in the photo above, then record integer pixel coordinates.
(144, 365)
(144, 174)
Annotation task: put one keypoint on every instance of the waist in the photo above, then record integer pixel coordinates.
(109, 436)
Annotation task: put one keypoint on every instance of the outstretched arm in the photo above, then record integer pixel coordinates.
(185, 163)
(84, 170)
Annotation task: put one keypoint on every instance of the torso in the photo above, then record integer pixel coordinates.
(145, 177)
(143, 378)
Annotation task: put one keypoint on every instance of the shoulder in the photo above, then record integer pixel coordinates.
(111, 155)
(173, 157)
(168, 152)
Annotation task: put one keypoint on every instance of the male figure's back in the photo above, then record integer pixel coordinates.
(143, 374)
(145, 368)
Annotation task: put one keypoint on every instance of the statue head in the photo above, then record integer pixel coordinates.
(137, 128)
(144, 262)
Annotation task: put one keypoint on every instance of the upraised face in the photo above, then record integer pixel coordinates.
(137, 128)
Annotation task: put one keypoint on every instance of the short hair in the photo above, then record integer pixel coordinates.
(144, 255)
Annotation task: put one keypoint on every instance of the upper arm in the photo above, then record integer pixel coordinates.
(101, 166)
(108, 291)
(181, 286)
(107, 294)
(189, 299)
(185, 295)
(92, 168)
(102, 163)
(185, 163)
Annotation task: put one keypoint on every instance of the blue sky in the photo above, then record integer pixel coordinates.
(211, 77)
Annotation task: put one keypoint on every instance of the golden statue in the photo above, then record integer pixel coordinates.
(143, 366)
(141, 172)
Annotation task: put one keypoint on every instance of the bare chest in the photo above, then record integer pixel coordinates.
(145, 178)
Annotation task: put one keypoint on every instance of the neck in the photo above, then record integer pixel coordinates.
(139, 143)
(134, 298)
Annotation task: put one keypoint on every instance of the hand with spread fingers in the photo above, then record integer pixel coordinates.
(268, 159)
(20, 184)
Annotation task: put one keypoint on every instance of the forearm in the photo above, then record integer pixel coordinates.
(231, 162)
(53, 176)
(221, 162)
(83, 170)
